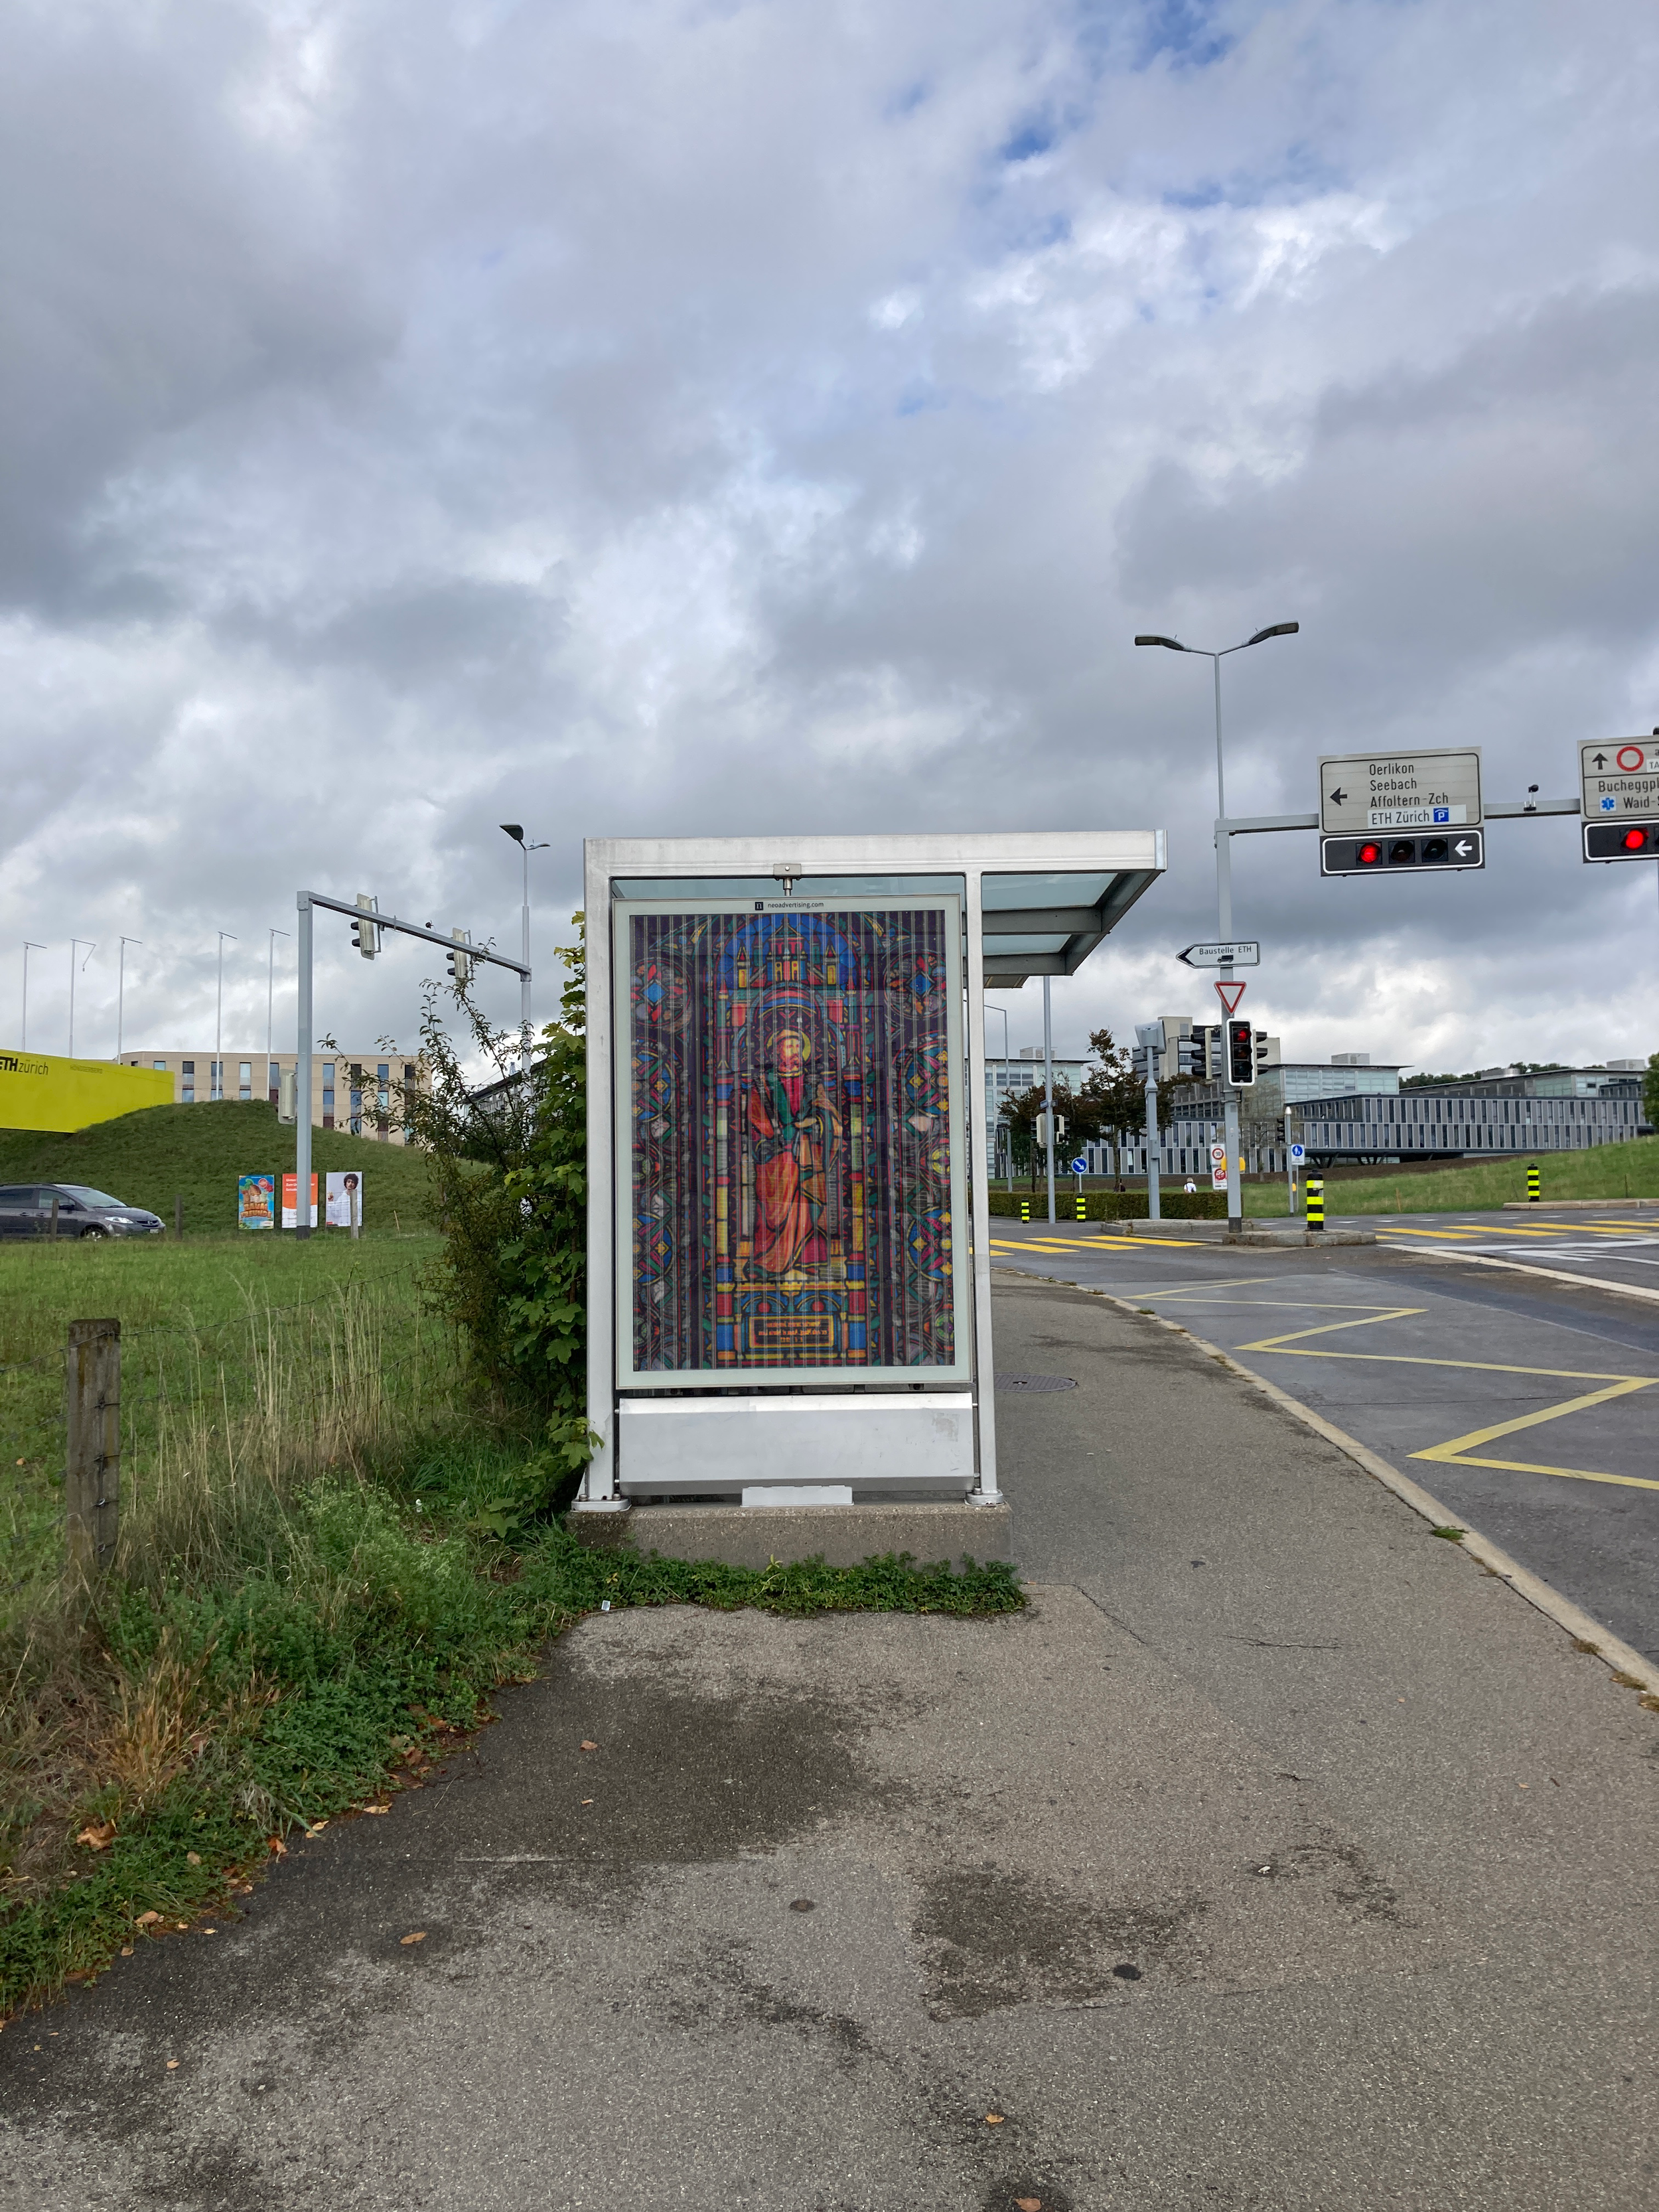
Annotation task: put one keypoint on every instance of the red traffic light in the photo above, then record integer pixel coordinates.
(1368, 855)
(1635, 840)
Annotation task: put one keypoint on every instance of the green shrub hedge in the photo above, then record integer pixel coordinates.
(1115, 1204)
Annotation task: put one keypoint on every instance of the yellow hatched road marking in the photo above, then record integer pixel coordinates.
(1458, 1452)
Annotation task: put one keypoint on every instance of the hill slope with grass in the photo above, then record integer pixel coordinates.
(1630, 1170)
(150, 1157)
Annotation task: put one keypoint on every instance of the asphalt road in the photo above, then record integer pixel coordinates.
(1525, 1400)
(1277, 1859)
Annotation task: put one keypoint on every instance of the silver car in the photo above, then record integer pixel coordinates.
(26, 1210)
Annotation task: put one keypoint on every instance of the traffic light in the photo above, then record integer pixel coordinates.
(1241, 1053)
(1380, 856)
(1191, 1057)
(460, 964)
(1621, 840)
(365, 932)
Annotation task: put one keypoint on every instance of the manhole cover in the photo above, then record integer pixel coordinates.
(1035, 1382)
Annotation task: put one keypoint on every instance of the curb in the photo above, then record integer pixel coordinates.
(1628, 1668)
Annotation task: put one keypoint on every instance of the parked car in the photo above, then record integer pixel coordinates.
(26, 1210)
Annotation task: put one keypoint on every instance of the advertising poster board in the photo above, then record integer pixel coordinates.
(291, 1201)
(793, 1207)
(342, 1188)
(256, 1201)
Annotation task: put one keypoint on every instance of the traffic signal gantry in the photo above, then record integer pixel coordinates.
(367, 926)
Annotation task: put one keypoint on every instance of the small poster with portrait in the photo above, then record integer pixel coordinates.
(343, 1205)
(256, 1201)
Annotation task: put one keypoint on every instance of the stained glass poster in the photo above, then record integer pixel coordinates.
(792, 1145)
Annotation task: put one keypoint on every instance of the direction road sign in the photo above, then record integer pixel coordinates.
(1384, 855)
(1619, 798)
(1360, 793)
(1619, 776)
(1240, 952)
(1222, 989)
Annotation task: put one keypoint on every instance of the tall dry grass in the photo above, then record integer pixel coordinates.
(221, 1428)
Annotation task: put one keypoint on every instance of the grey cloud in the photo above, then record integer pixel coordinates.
(433, 417)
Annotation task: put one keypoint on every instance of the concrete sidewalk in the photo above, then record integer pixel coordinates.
(1276, 1858)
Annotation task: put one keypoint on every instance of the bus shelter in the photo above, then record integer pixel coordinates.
(788, 1246)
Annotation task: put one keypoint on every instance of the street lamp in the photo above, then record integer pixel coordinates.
(515, 832)
(29, 946)
(75, 943)
(1224, 872)
(270, 994)
(1002, 1092)
(121, 995)
(216, 1085)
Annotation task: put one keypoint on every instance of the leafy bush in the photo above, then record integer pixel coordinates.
(509, 1162)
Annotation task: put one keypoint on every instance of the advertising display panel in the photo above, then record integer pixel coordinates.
(792, 1186)
(256, 1201)
(291, 1201)
(342, 1199)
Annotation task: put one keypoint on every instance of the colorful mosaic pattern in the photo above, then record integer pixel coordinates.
(791, 1140)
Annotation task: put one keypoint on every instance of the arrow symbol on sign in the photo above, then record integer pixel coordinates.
(1462, 848)
(1601, 759)
(1339, 798)
(1237, 990)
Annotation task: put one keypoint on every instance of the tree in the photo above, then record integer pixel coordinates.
(1651, 1092)
(1115, 1095)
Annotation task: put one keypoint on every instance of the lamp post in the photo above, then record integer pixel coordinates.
(29, 946)
(216, 1087)
(74, 944)
(121, 995)
(270, 995)
(515, 832)
(1001, 1092)
(1224, 874)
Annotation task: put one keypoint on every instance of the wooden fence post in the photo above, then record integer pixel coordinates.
(91, 1481)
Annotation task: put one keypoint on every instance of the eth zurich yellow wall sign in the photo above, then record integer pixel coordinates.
(38, 1091)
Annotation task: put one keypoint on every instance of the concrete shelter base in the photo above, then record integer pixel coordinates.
(751, 1536)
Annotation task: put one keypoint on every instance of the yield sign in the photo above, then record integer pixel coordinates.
(1222, 990)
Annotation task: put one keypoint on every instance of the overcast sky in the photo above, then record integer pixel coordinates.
(624, 417)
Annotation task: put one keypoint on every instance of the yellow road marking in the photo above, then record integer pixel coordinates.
(1458, 1452)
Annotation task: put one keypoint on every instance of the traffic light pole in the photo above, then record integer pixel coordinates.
(307, 902)
(1223, 907)
(1049, 1091)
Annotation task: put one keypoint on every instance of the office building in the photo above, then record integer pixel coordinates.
(361, 1092)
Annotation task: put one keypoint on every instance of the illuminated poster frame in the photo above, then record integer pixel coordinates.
(792, 1190)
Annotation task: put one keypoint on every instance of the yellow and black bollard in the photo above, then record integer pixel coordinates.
(1025, 1209)
(1315, 1201)
(1082, 1208)
(1534, 1183)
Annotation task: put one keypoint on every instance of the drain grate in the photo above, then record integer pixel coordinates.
(1035, 1382)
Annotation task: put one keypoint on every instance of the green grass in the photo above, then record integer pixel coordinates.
(1628, 1171)
(151, 1158)
(332, 1551)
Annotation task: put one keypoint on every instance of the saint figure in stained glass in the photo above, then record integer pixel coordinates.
(795, 1127)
